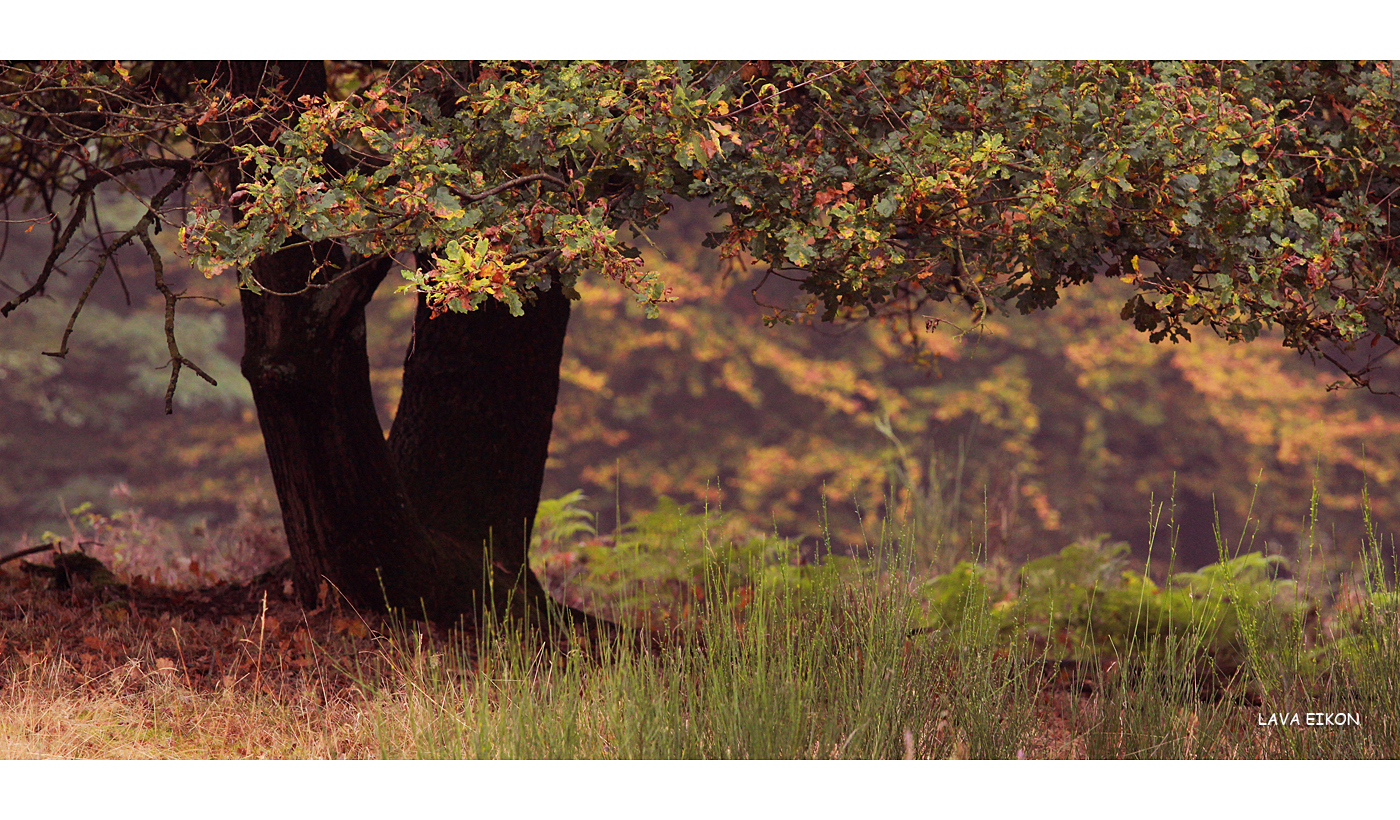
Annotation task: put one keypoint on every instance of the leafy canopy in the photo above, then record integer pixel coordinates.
(1238, 195)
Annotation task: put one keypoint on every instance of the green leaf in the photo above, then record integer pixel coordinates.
(1306, 219)
(798, 249)
(512, 300)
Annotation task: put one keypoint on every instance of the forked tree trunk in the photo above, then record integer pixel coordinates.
(348, 518)
(409, 529)
(442, 523)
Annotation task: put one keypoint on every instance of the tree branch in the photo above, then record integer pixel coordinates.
(29, 551)
(505, 186)
(139, 229)
(60, 244)
(176, 359)
(84, 192)
(261, 288)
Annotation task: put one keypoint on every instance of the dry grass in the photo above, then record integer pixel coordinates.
(134, 712)
(233, 671)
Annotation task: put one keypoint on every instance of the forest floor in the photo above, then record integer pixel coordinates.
(228, 671)
(244, 671)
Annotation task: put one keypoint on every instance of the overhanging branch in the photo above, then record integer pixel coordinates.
(139, 229)
(84, 193)
(61, 244)
(177, 360)
(505, 186)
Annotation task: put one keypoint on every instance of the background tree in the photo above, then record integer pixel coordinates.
(1235, 196)
(1047, 432)
(1021, 436)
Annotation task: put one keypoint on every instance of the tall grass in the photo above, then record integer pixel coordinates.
(823, 668)
(787, 675)
(841, 665)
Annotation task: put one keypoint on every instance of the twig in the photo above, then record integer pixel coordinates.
(309, 286)
(262, 631)
(29, 551)
(84, 193)
(79, 211)
(777, 92)
(53, 546)
(116, 263)
(180, 650)
(177, 360)
(139, 229)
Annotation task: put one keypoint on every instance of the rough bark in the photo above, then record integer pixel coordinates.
(471, 435)
(348, 518)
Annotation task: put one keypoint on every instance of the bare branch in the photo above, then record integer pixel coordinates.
(314, 285)
(79, 213)
(53, 547)
(84, 193)
(546, 260)
(116, 264)
(139, 229)
(1359, 377)
(180, 166)
(176, 359)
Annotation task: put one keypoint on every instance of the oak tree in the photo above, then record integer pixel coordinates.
(1232, 196)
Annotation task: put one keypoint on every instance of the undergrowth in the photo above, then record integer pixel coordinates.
(1075, 654)
(760, 654)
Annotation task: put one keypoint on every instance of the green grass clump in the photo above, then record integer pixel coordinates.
(817, 670)
(1075, 654)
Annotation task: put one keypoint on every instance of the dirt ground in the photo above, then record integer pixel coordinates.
(214, 637)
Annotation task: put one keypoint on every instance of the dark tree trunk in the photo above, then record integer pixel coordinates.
(408, 528)
(348, 518)
(472, 431)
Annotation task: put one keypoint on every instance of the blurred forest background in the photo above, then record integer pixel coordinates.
(1023, 437)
